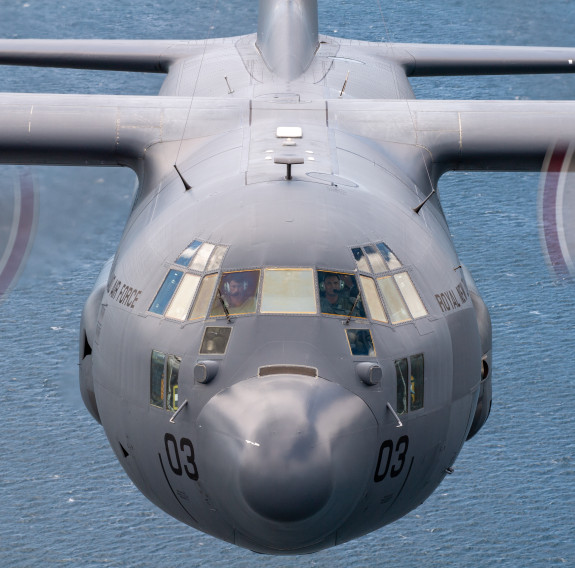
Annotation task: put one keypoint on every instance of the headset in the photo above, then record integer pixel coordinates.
(327, 275)
(237, 279)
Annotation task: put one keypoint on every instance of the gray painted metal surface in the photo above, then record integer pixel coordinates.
(292, 431)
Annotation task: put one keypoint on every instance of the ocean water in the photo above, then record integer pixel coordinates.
(65, 499)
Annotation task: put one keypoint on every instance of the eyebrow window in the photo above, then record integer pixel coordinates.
(410, 294)
(217, 258)
(376, 260)
(186, 256)
(166, 292)
(390, 258)
(398, 311)
(361, 259)
(288, 291)
(202, 256)
(237, 293)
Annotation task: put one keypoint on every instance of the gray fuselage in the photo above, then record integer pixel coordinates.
(295, 435)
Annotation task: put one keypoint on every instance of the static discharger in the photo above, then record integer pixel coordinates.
(288, 161)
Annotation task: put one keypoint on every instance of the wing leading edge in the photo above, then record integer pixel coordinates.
(153, 56)
(156, 56)
(461, 135)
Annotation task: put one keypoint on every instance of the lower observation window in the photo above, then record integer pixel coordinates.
(360, 342)
(215, 340)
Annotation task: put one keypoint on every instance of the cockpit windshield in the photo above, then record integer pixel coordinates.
(380, 288)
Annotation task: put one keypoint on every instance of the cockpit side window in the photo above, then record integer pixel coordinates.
(157, 379)
(182, 300)
(416, 381)
(173, 370)
(236, 294)
(397, 309)
(372, 299)
(339, 294)
(164, 373)
(409, 293)
(166, 292)
(401, 375)
(204, 297)
(410, 383)
(288, 291)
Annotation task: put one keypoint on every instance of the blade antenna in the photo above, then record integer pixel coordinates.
(416, 209)
(186, 184)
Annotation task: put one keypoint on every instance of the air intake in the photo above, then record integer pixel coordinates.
(287, 370)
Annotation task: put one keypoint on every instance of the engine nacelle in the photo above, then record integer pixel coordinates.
(88, 328)
(483, 407)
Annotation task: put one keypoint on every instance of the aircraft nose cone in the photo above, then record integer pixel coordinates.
(288, 476)
(287, 456)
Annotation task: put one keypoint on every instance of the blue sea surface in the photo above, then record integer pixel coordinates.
(66, 500)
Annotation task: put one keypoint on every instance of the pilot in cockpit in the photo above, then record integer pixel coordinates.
(235, 293)
(335, 300)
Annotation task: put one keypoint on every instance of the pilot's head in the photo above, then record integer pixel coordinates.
(332, 285)
(236, 290)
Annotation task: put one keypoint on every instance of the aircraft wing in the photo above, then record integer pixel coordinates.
(425, 60)
(118, 130)
(154, 56)
(461, 135)
(105, 130)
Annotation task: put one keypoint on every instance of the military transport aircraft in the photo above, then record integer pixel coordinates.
(285, 351)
